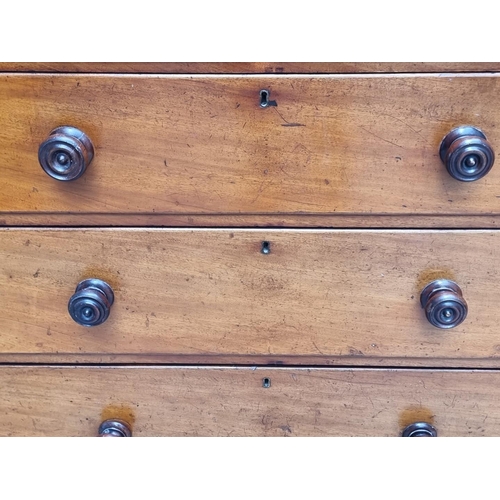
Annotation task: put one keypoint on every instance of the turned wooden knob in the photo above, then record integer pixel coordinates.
(419, 429)
(91, 303)
(66, 153)
(466, 153)
(114, 428)
(443, 303)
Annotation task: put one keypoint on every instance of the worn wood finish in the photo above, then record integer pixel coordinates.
(246, 360)
(247, 67)
(330, 294)
(202, 145)
(277, 221)
(166, 401)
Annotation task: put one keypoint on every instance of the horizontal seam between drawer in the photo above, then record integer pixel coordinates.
(248, 367)
(282, 229)
(283, 75)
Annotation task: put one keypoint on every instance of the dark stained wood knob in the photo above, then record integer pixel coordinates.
(91, 303)
(444, 304)
(419, 429)
(466, 153)
(66, 153)
(114, 428)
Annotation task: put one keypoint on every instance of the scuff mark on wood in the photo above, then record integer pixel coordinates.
(381, 138)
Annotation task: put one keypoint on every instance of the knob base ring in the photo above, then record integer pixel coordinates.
(419, 429)
(114, 428)
(97, 284)
(436, 286)
(457, 133)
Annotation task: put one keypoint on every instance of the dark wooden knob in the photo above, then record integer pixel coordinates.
(444, 304)
(466, 153)
(114, 428)
(91, 302)
(66, 153)
(420, 429)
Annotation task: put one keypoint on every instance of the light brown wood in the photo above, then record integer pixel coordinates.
(163, 401)
(278, 221)
(202, 145)
(340, 150)
(247, 67)
(335, 294)
(246, 360)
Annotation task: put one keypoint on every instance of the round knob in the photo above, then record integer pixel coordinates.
(420, 429)
(444, 304)
(66, 153)
(91, 302)
(467, 154)
(114, 428)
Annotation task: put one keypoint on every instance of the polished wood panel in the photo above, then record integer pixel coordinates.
(247, 67)
(333, 295)
(168, 401)
(277, 221)
(202, 145)
(246, 360)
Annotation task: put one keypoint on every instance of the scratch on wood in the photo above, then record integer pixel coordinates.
(355, 352)
(381, 138)
(284, 171)
(259, 192)
(404, 123)
(287, 123)
(317, 348)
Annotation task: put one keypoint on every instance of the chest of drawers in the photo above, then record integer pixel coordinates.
(261, 249)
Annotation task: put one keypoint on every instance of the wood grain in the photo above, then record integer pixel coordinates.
(333, 295)
(166, 401)
(276, 221)
(202, 145)
(247, 67)
(310, 361)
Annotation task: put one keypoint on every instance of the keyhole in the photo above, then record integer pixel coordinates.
(264, 98)
(266, 247)
(266, 382)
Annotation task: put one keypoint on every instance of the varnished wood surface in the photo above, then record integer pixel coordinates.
(311, 361)
(332, 295)
(201, 145)
(276, 221)
(247, 67)
(165, 401)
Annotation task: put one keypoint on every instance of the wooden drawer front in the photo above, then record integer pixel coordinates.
(321, 293)
(167, 401)
(248, 67)
(203, 145)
